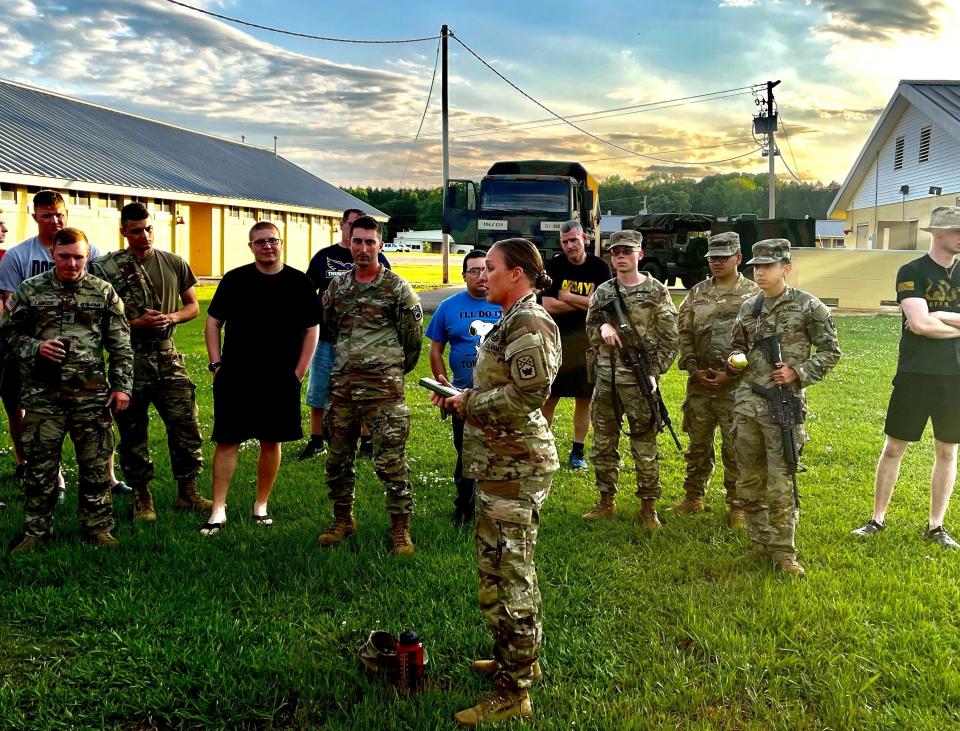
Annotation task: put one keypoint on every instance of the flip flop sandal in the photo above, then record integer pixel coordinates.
(265, 520)
(211, 529)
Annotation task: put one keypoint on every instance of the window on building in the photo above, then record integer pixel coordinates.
(108, 200)
(8, 193)
(161, 205)
(898, 155)
(80, 198)
(233, 212)
(925, 143)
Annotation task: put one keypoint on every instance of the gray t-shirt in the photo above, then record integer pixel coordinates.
(28, 259)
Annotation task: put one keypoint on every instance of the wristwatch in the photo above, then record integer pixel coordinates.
(212, 367)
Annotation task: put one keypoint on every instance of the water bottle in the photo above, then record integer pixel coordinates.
(410, 661)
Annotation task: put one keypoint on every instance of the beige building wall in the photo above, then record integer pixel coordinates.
(881, 231)
(850, 279)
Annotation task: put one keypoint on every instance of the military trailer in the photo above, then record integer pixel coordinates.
(525, 198)
(674, 244)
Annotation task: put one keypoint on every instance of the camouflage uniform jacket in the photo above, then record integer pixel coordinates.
(653, 316)
(802, 322)
(505, 436)
(377, 331)
(127, 276)
(706, 322)
(90, 312)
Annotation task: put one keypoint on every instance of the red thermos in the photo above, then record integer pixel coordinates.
(410, 660)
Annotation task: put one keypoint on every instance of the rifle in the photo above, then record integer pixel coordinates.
(636, 358)
(786, 410)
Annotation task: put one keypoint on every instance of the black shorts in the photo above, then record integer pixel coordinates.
(919, 397)
(571, 380)
(255, 406)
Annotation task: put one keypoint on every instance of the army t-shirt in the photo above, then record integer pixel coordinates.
(940, 287)
(582, 279)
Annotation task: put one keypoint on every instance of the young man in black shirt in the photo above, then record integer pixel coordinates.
(925, 386)
(576, 275)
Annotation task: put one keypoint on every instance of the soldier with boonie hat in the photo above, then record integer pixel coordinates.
(627, 239)
(725, 244)
(770, 251)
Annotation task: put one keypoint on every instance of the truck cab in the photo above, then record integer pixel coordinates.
(525, 198)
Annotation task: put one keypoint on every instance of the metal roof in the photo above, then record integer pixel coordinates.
(52, 136)
(939, 100)
(829, 229)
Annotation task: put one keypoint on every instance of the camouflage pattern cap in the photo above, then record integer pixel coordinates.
(944, 217)
(770, 251)
(631, 239)
(725, 244)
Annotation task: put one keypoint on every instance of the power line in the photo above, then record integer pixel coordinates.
(584, 131)
(294, 33)
(426, 106)
(803, 186)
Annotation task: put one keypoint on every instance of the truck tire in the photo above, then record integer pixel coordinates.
(689, 279)
(652, 268)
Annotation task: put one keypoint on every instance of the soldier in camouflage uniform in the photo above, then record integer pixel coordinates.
(150, 281)
(509, 450)
(706, 330)
(616, 393)
(59, 323)
(801, 322)
(376, 324)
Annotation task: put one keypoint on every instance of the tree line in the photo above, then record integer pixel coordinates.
(716, 195)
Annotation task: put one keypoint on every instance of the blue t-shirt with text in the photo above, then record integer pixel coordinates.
(462, 321)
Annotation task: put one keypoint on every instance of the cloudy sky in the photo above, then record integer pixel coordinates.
(350, 112)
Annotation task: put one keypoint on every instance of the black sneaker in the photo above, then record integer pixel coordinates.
(870, 528)
(121, 488)
(313, 449)
(939, 536)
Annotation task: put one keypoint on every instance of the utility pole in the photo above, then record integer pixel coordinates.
(274, 145)
(771, 151)
(444, 134)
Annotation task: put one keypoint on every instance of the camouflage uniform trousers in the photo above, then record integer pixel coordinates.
(508, 518)
(389, 423)
(765, 488)
(702, 415)
(90, 426)
(161, 379)
(604, 453)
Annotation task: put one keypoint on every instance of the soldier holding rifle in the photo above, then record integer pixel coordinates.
(772, 339)
(651, 323)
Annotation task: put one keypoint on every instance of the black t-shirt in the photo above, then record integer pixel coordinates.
(582, 279)
(940, 287)
(265, 316)
(332, 261)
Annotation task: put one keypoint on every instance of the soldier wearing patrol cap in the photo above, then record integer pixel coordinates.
(706, 331)
(801, 322)
(925, 386)
(647, 304)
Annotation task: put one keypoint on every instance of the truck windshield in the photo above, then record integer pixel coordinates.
(528, 197)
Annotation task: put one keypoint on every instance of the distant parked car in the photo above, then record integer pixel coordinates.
(396, 246)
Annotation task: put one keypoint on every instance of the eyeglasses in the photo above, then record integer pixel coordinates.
(474, 271)
(139, 230)
(264, 243)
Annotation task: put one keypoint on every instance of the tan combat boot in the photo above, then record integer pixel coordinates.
(189, 499)
(400, 534)
(25, 543)
(104, 539)
(143, 504)
(737, 518)
(690, 505)
(790, 567)
(648, 514)
(606, 508)
(489, 667)
(343, 525)
(500, 706)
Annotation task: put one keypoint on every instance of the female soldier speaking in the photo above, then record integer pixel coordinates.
(509, 450)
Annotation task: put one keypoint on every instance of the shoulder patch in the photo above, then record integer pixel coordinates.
(906, 286)
(417, 312)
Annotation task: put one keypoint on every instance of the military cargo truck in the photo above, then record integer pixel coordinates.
(526, 198)
(674, 244)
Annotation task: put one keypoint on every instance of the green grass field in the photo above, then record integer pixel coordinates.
(258, 628)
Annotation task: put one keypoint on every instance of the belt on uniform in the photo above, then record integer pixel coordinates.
(152, 346)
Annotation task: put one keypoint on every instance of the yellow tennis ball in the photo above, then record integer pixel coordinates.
(739, 360)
